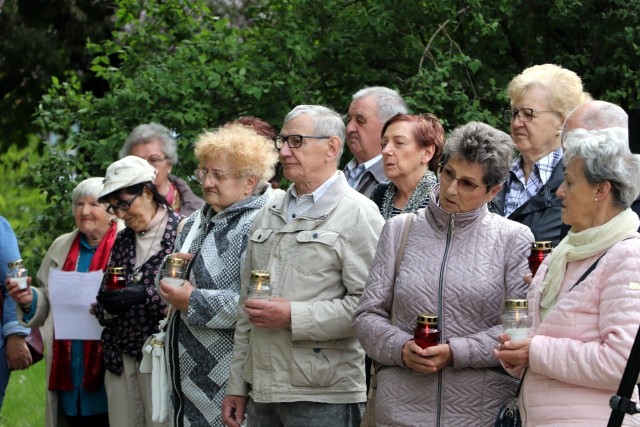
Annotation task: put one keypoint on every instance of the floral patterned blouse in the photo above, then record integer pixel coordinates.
(127, 332)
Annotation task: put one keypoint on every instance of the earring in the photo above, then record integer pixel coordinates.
(595, 200)
(558, 132)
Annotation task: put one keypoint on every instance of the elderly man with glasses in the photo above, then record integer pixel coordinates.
(296, 360)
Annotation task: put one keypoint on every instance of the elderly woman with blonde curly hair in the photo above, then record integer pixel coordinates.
(235, 164)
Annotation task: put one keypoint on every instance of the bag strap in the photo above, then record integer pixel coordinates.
(586, 273)
(193, 232)
(403, 244)
(399, 255)
(375, 366)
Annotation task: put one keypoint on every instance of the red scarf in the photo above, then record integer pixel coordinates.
(60, 376)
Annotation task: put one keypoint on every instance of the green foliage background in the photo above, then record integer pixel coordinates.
(177, 63)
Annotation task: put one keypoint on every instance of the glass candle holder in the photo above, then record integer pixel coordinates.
(516, 320)
(260, 287)
(426, 334)
(115, 279)
(174, 271)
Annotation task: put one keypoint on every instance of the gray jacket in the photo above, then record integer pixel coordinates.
(462, 267)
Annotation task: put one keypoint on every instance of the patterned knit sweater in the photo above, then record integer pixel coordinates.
(199, 341)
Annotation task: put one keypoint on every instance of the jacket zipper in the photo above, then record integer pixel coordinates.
(450, 231)
(175, 380)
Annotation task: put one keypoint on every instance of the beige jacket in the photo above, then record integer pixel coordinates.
(320, 262)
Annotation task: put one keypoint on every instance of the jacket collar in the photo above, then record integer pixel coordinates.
(322, 208)
(441, 219)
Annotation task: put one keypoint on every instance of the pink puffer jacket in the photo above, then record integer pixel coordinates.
(579, 352)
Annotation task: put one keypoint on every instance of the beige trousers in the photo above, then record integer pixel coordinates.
(129, 396)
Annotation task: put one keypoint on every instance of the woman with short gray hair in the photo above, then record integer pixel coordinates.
(156, 144)
(460, 263)
(584, 298)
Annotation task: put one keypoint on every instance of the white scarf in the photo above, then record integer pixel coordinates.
(581, 245)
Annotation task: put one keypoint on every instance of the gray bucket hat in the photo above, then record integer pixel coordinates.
(126, 172)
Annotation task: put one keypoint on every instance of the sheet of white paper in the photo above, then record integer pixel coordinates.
(71, 295)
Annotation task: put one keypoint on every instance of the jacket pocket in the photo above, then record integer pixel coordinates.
(314, 363)
(259, 238)
(314, 250)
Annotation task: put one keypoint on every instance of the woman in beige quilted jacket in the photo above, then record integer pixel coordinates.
(460, 262)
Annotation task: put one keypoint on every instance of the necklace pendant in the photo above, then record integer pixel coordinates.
(137, 276)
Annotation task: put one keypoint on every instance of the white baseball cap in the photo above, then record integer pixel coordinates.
(126, 172)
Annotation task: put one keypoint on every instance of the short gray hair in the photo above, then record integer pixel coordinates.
(487, 146)
(144, 133)
(327, 122)
(389, 101)
(90, 187)
(607, 157)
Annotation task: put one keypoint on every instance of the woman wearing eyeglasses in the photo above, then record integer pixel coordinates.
(460, 262)
(235, 166)
(155, 143)
(74, 368)
(411, 149)
(541, 98)
(131, 315)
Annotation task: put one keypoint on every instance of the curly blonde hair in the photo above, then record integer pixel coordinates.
(246, 152)
(564, 86)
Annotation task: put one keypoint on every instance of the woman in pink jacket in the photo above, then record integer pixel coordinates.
(585, 321)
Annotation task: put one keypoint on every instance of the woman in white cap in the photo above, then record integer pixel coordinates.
(235, 166)
(130, 317)
(75, 368)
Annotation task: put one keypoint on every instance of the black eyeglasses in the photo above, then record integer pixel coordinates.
(464, 185)
(293, 141)
(524, 114)
(123, 205)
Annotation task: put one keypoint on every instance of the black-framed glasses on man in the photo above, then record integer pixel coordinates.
(293, 141)
(524, 114)
(465, 185)
(202, 174)
(123, 205)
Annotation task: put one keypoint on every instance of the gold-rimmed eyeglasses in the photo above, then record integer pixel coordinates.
(202, 174)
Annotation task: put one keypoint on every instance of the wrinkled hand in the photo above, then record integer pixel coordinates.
(233, 408)
(428, 360)
(272, 313)
(18, 355)
(513, 353)
(20, 296)
(177, 297)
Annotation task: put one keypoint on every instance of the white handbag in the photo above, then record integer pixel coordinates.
(154, 363)
(153, 355)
